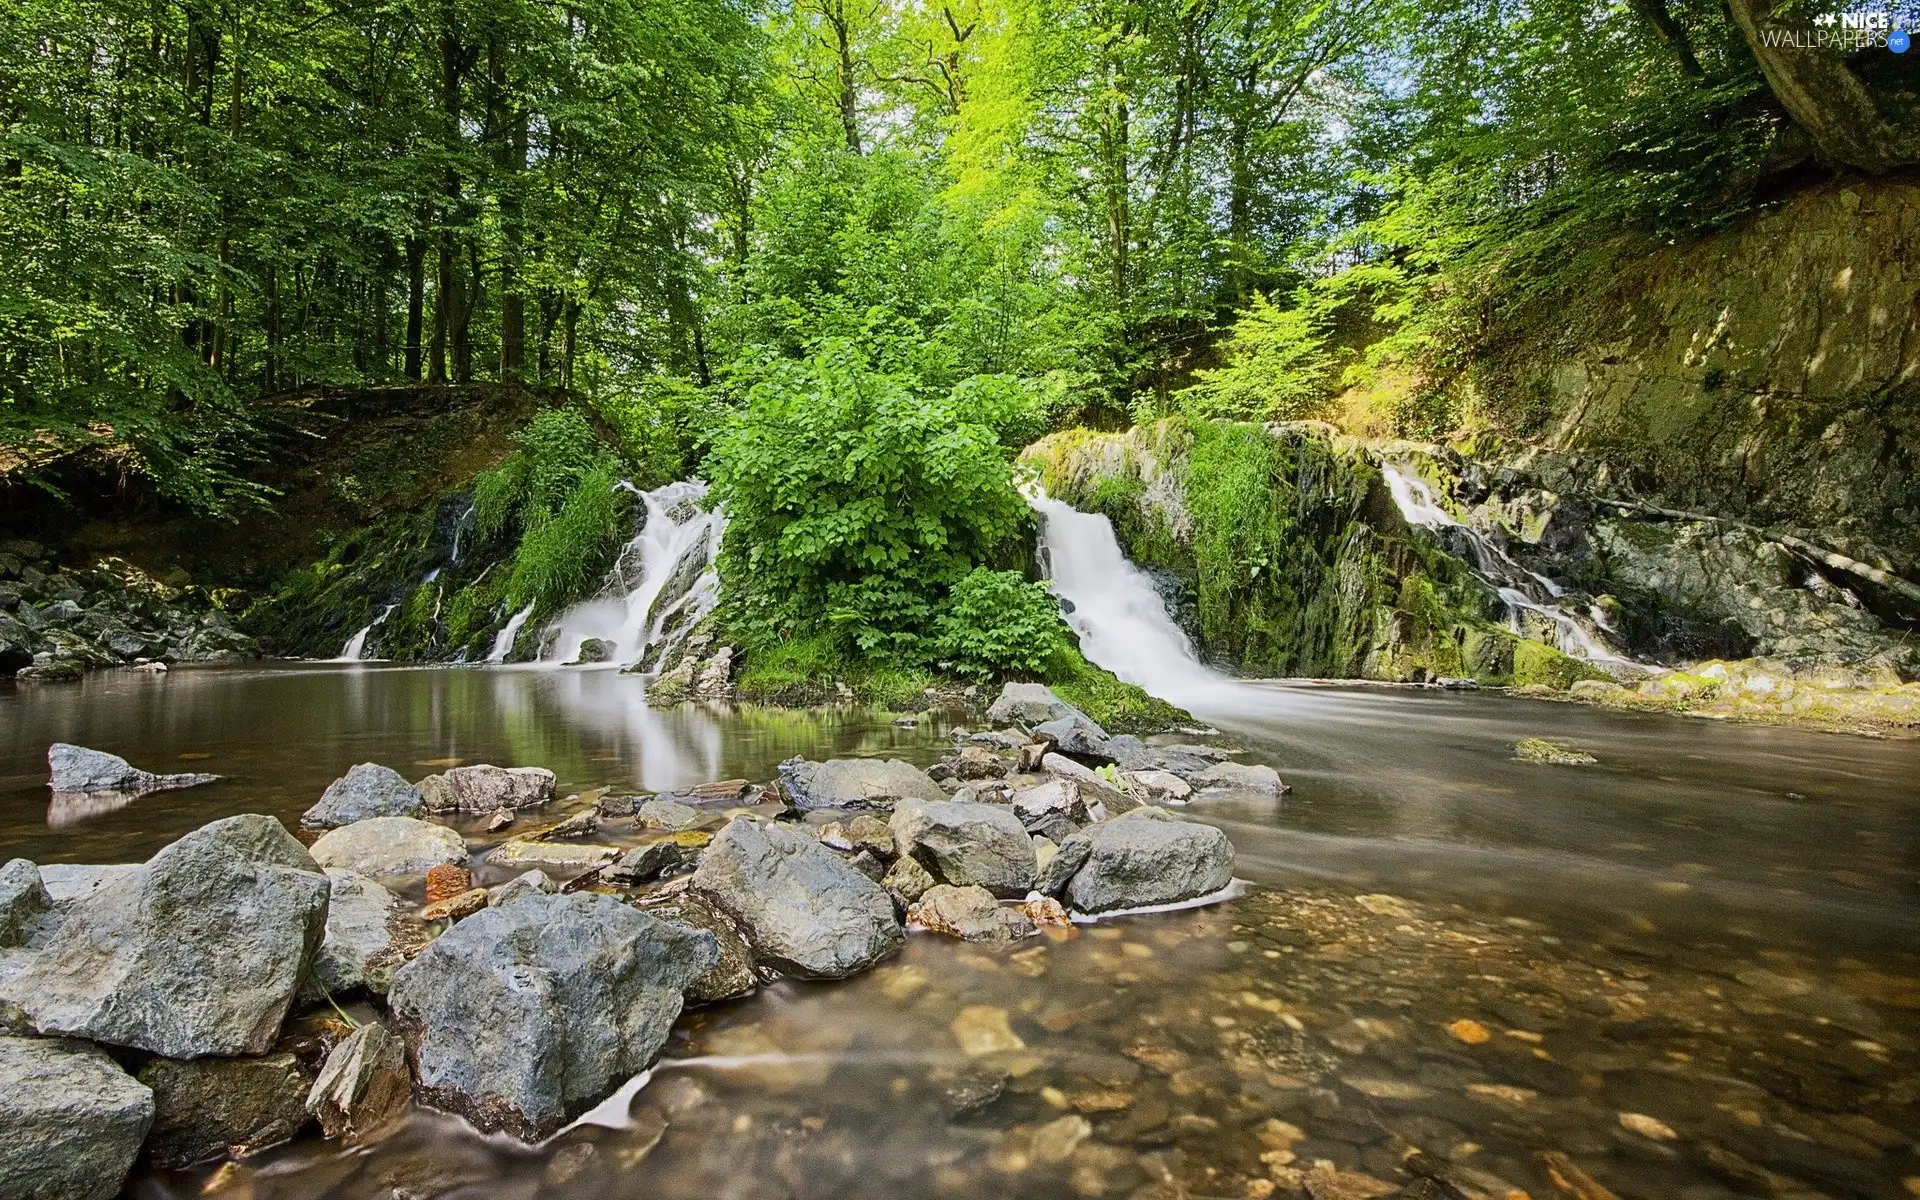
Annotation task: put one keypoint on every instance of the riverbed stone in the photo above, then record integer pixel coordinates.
(360, 928)
(366, 790)
(1055, 798)
(906, 881)
(1135, 862)
(1242, 777)
(967, 844)
(527, 883)
(197, 953)
(1077, 734)
(854, 783)
(78, 769)
(522, 1017)
(805, 910)
(1027, 704)
(644, 864)
(22, 898)
(388, 846)
(214, 1106)
(732, 973)
(484, 788)
(1157, 786)
(524, 852)
(363, 1084)
(670, 815)
(968, 913)
(71, 1121)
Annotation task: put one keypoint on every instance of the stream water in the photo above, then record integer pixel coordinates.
(1690, 970)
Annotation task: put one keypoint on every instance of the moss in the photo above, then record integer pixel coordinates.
(806, 671)
(1118, 706)
(1537, 663)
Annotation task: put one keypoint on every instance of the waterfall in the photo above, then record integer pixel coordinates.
(503, 641)
(356, 648)
(1122, 622)
(459, 527)
(662, 583)
(1520, 590)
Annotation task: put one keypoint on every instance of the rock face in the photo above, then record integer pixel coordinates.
(845, 783)
(1135, 862)
(360, 917)
(969, 913)
(390, 846)
(213, 1106)
(968, 844)
(522, 1017)
(803, 908)
(483, 788)
(1027, 704)
(368, 790)
(199, 952)
(78, 769)
(72, 1121)
(70, 881)
(362, 1085)
(22, 898)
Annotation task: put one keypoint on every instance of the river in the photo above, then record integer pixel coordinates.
(1713, 929)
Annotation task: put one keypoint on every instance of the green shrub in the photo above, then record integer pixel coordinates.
(997, 624)
(1277, 366)
(560, 556)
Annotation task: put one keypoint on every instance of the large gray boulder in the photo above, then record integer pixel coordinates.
(199, 952)
(854, 783)
(22, 898)
(360, 927)
(363, 1084)
(368, 790)
(71, 1121)
(215, 1106)
(967, 843)
(804, 909)
(484, 788)
(1027, 704)
(390, 846)
(1136, 862)
(78, 769)
(1078, 735)
(522, 1017)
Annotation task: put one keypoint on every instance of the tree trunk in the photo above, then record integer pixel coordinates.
(509, 122)
(449, 299)
(1822, 95)
(1656, 14)
(416, 301)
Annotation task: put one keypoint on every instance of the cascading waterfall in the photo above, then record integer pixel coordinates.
(1521, 590)
(509, 633)
(662, 583)
(356, 648)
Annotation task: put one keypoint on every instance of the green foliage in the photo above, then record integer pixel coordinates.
(564, 554)
(1118, 707)
(559, 449)
(496, 496)
(997, 624)
(665, 425)
(1277, 366)
(855, 501)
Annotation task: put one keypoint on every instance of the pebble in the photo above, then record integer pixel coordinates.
(1648, 1127)
(1473, 1033)
(501, 818)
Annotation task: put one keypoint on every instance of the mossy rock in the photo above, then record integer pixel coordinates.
(1538, 663)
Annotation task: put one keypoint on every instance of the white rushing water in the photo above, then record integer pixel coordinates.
(356, 648)
(503, 641)
(1520, 590)
(663, 577)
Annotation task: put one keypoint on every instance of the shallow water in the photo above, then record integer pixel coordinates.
(1714, 931)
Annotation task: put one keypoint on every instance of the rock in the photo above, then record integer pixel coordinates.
(732, 973)
(22, 898)
(982, 1029)
(71, 1121)
(483, 788)
(390, 846)
(968, 913)
(522, 1017)
(995, 739)
(612, 808)
(362, 1085)
(559, 855)
(1076, 734)
(1156, 786)
(728, 790)
(577, 825)
(453, 908)
(967, 844)
(447, 881)
(1554, 753)
(595, 650)
(529, 883)
(1648, 1127)
(1045, 910)
(1129, 752)
(1242, 777)
(1064, 863)
(906, 881)
(644, 864)
(70, 881)
(78, 769)
(850, 783)
(1027, 704)
(1062, 767)
(360, 917)
(716, 674)
(1136, 863)
(865, 833)
(804, 909)
(501, 818)
(216, 1106)
(368, 790)
(198, 952)
(666, 814)
(1057, 797)
(977, 762)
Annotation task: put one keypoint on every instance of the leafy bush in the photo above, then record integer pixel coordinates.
(560, 556)
(1277, 366)
(665, 426)
(854, 502)
(996, 623)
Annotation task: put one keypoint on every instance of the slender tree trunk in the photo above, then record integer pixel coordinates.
(1656, 14)
(570, 327)
(449, 301)
(416, 302)
(512, 158)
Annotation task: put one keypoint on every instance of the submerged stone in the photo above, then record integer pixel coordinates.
(390, 846)
(78, 769)
(362, 1085)
(969, 913)
(214, 1106)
